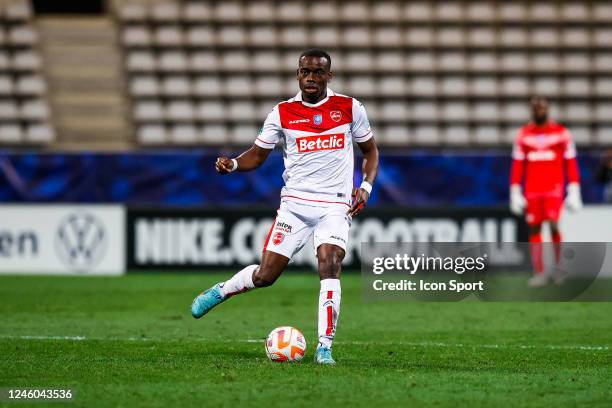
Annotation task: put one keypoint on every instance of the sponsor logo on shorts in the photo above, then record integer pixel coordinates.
(338, 238)
(335, 115)
(317, 143)
(283, 226)
(278, 238)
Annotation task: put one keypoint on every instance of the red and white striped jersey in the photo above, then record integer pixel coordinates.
(317, 142)
(543, 157)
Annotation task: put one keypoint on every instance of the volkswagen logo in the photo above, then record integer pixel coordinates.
(80, 241)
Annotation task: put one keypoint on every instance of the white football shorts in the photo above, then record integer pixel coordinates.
(297, 222)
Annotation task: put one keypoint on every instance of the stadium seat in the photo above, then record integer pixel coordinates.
(141, 61)
(485, 111)
(325, 37)
(10, 133)
(176, 86)
(603, 87)
(211, 111)
(22, 36)
(200, 36)
(228, 12)
(394, 135)
(26, 61)
(180, 111)
(354, 12)
(266, 61)
(581, 135)
(418, 11)
(269, 86)
(576, 87)
(390, 62)
(234, 61)
(602, 11)
(516, 112)
(486, 135)
(424, 85)
(356, 37)
(231, 36)
(603, 62)
(452, 61)
(454, 86)
(392, 111)
(484, 87)
(602, 37)
(481, 37)
(547, 86)
(419, 37)
(294, 36)
(152, 134)
(427, 111)
(604, 135)
(421, 61)
(243, 134)
(18, 11)
(577, 112)
(483, 61)
(238, 86)
(513, 37)
(603, 111)
(319, 12)
(479, 11)
(243, 111)
(260, 12)
(35, 110)
(543, 12)
(514, 62)
(31, 85)
(137, 36)
(144, 86)
(385, 11)
(393, 86)
(291, 11)
(578, 62)
(454, 111)
(450, 37)
(4, 61)
(576, 37)
(457, 135)
(207, 86)
(512, 12)
(543, 37)
(214, 134)
(263, 36)
(168, 36)
(39, 133)
(184, 134)
(172, 61)
(516, 86)
(426, 135)
(575, 11)
(361, 86)
(196, 12)
(387, 37)
(8, 111)
(149, 111)
(204, 61)
(131, 12)
(359, 61)
(165, 12)
(449, 12)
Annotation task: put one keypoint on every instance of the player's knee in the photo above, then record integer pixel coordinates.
(330, 262)
(263, 278)
(535, 229)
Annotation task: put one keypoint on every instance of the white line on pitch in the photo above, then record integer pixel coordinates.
(353, 343)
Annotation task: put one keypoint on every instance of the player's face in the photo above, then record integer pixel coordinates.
(539, 111)
(313, 75)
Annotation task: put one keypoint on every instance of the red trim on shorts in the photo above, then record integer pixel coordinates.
(268, 237)
(330, 293)
(316, 201)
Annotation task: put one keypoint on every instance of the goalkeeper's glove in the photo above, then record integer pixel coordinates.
(517, 201)
(573, 200)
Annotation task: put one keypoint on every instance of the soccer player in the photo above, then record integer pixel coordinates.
(317, 128)
(544, 156)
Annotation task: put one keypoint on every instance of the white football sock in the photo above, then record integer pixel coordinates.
(240, 282)
(329, 310)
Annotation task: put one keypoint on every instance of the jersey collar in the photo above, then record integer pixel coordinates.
(298, 98)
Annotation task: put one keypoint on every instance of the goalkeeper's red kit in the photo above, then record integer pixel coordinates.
(542, 158)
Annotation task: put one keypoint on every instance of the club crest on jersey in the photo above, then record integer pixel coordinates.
(335, 115)
(317, 119)
(278, 238)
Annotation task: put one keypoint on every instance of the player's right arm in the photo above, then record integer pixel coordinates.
(268, 137)
(517, 200)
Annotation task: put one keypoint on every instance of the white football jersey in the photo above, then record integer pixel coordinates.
(317, 144)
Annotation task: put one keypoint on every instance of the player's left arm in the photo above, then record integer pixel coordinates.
(573, 200)
(370, 170)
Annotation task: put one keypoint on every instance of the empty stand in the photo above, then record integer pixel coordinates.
(25, 115)
(430, 73)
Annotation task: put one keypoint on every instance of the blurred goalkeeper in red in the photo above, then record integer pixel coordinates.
(543, 158)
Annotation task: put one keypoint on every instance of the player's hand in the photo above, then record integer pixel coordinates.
(517, 201)
(573, 200)
(360, 198)
(224, 165)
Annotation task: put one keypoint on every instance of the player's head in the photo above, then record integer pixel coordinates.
(539, 109)
(313, 73)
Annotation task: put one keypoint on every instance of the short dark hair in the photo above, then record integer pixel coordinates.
(316, 52)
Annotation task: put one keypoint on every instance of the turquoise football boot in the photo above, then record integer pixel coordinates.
(323, 356)
(205, 301)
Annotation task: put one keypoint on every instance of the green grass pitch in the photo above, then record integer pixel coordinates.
(131, 341)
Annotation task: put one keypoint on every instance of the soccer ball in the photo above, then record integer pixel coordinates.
(285, 343)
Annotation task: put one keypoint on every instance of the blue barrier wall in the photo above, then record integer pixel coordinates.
(416, 178)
